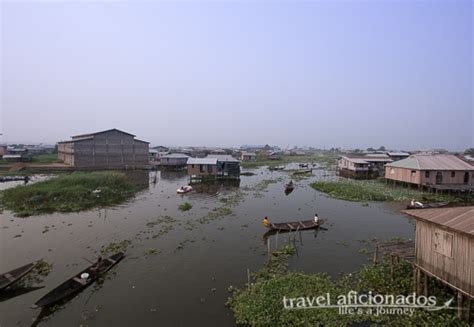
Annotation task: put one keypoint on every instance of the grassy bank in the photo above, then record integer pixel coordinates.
(261, 304)
(325, 159)
(375, 190)
(45, 158)
(68, 193)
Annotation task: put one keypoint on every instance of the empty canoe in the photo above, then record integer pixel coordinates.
(15, 275)
(77, 283)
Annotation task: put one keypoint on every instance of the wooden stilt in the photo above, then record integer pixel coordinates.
(376, 252)
(418, 277)
(425, 284)
(391, 267)
(414, 278)
(469, 307)
(459, 305)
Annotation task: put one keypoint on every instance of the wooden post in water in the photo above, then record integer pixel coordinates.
(391, 266)
(248, 278)
(268, 245)
(376, 254)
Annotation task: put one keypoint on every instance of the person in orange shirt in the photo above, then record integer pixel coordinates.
(266, 222)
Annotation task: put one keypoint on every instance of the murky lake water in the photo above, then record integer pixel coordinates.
(199, 256)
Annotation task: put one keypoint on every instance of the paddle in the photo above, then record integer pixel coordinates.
(88, 260)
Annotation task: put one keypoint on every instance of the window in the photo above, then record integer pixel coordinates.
(392, 171)
(443, 243)
(453, 174)
(427, 174)
(413, 173)
(201, 168)
(209, 169)
(192, 166)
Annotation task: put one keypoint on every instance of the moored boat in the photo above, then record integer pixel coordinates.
(13, 276)
(79, 281)
(428, 205)
(289, 187)
(184, 189)
(300, 172)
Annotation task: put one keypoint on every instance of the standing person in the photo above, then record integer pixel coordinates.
(316, 218)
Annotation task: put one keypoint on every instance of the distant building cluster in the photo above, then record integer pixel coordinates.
(22, 152)
(435, 170)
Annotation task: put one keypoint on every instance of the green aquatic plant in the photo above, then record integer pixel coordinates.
(68, 193)
(115, 247)
(374, 190)
(185, 206)
(262, 302)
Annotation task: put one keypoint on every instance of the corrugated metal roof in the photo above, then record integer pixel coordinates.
(77, 140)
(176, 155)
(366, 159)
(378, 160)
(377, 155)
(12, 156)
(398, 154)
(460, 219)
(137, 140)
(442, 162)
(410, 163)
(356, 160)
(202, 161)
(223, 157)
(432, 162)
(108, 130)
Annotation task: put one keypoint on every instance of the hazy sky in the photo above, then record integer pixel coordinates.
(320, 73)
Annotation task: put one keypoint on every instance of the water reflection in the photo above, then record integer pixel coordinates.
(17, 291)
(293, 233)
(141, 178)
(172, 175)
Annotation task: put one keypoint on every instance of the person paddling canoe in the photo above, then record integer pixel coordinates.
(266, 222)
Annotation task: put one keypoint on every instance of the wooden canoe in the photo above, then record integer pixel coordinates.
(76, 283)
(11, 277)
(429, 205)
(301, 172)
(295, 225)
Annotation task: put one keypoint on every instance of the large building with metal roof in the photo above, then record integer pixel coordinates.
(110, 149)
(439, 172)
